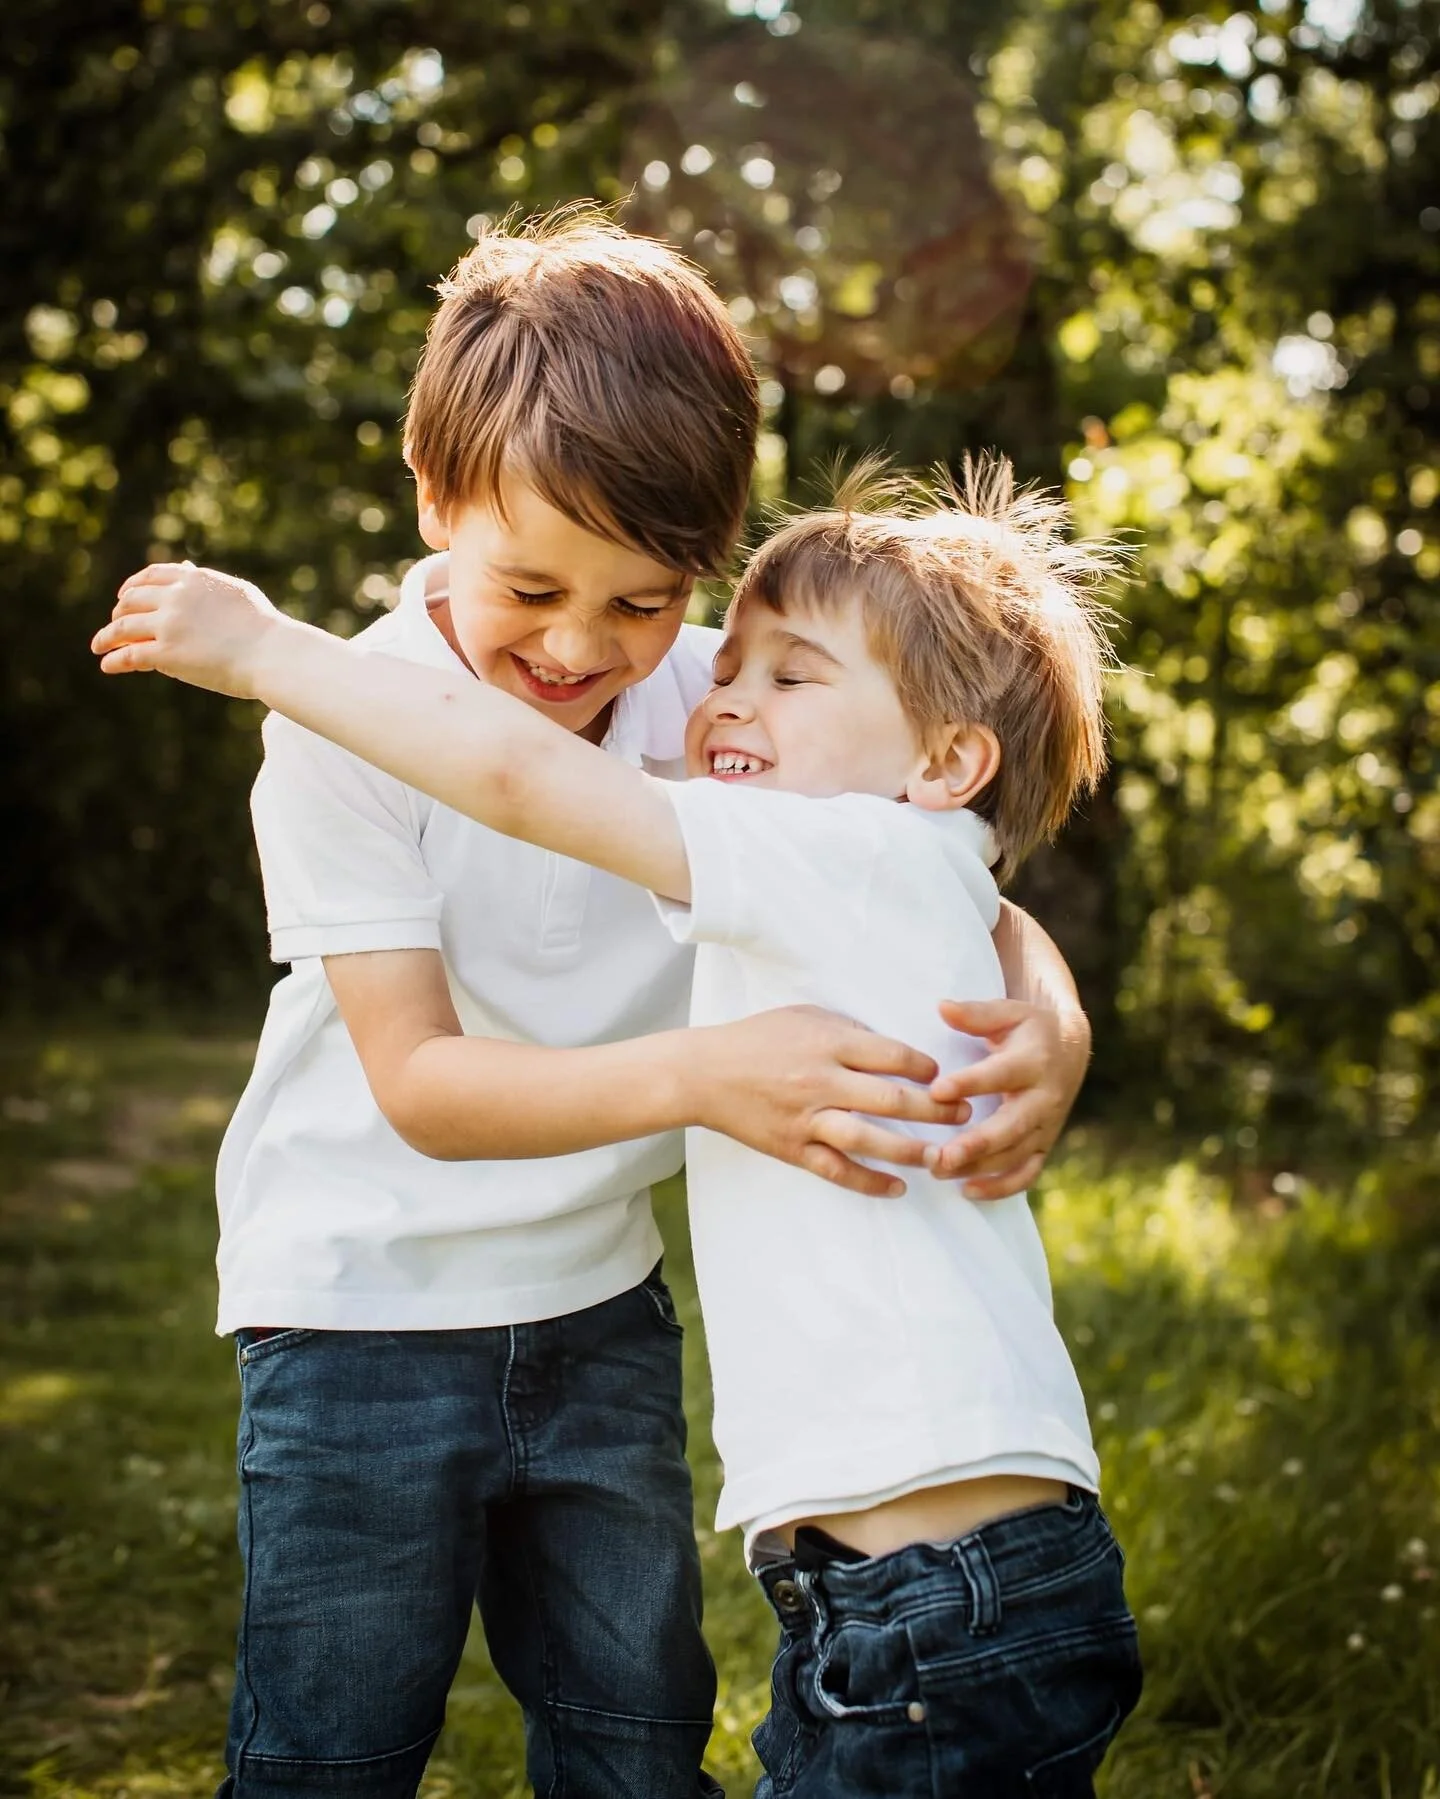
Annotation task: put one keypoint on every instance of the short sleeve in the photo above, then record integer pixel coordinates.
(340, 853)
(775, 874)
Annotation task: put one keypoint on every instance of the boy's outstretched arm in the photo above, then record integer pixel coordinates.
(489, 755)
(797, 1084)
(473, 748)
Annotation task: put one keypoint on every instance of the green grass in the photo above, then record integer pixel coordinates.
(1264, 1378)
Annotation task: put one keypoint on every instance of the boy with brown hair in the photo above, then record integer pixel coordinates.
(460, 1367)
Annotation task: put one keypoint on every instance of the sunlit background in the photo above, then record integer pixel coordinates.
(1182, 261)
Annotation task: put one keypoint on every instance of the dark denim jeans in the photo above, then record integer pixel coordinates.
(391, 1480)
(995, 1667)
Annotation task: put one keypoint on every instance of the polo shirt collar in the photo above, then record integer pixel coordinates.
(649, 719)
(968, 832)
(422, 641)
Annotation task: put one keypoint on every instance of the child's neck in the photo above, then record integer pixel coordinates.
(438, 612)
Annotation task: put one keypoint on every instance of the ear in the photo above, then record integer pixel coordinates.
(961, 764)
(434, 527)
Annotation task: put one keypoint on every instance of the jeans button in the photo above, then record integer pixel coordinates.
(788, 1597)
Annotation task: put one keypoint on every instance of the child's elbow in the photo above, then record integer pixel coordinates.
(427, 1138)
(420, 1128)
(408, 1106)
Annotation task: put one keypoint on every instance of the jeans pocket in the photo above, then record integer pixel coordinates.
(866, 1671)
(1070, 1774)
(1087, 1694)
(662, 1301)
(252, 1346)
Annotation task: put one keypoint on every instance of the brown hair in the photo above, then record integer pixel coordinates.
(599, 367)
(983, 613)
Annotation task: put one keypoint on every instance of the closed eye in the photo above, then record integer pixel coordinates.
(631, 610)
(532, 599)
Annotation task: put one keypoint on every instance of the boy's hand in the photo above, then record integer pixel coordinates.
(796, 1083)
(1037, 1064)
(192, 623)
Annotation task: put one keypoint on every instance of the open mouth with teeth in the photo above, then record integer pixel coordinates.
(553, 685)
(736, 765)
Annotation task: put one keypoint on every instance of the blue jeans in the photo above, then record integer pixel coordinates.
(995, 1667)
(389, 1480)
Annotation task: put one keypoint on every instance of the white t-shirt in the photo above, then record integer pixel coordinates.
(328, 1219)
(860, 1348)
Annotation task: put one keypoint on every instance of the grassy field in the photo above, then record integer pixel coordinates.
(1264, 1377)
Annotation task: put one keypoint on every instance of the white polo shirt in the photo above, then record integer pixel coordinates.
(328, 1219)
(860, 1348)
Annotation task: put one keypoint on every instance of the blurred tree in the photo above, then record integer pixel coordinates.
(220, 229)
(1251, 194)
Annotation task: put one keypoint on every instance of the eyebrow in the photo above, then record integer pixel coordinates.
(794, 641)
(672, 592)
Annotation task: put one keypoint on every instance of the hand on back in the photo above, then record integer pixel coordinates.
(1036, 1063)
(807, 1086)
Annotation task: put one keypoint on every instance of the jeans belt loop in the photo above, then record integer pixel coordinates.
(973, 1560)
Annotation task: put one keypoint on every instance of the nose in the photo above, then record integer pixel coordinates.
(577, 642)
(728, 703)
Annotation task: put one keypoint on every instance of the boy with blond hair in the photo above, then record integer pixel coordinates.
(909, 691)
(459, 1365)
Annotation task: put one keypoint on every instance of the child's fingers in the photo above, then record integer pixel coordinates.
(1014, 1068)
(992, 1148)
(854, 1136)
(984, 1017)
(138, 596)
(831, 1165)
(1010, 1066)
(144, 598)
(1000, 1186)
(868, 1053)
(155, 574)
(894, 1099)
(135, 626)
(993, 1163)
(129, 659)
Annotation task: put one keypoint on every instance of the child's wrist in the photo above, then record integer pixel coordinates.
(271, 654)
(686, 1075)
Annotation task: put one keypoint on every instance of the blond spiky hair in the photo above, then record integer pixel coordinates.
(983, 611)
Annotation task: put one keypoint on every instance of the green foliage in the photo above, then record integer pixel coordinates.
(1262, 1373)
(1255, 366)
(222, 226)
(1183, 258)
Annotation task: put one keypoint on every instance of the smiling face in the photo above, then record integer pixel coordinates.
(801, 704)
(559, 616)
